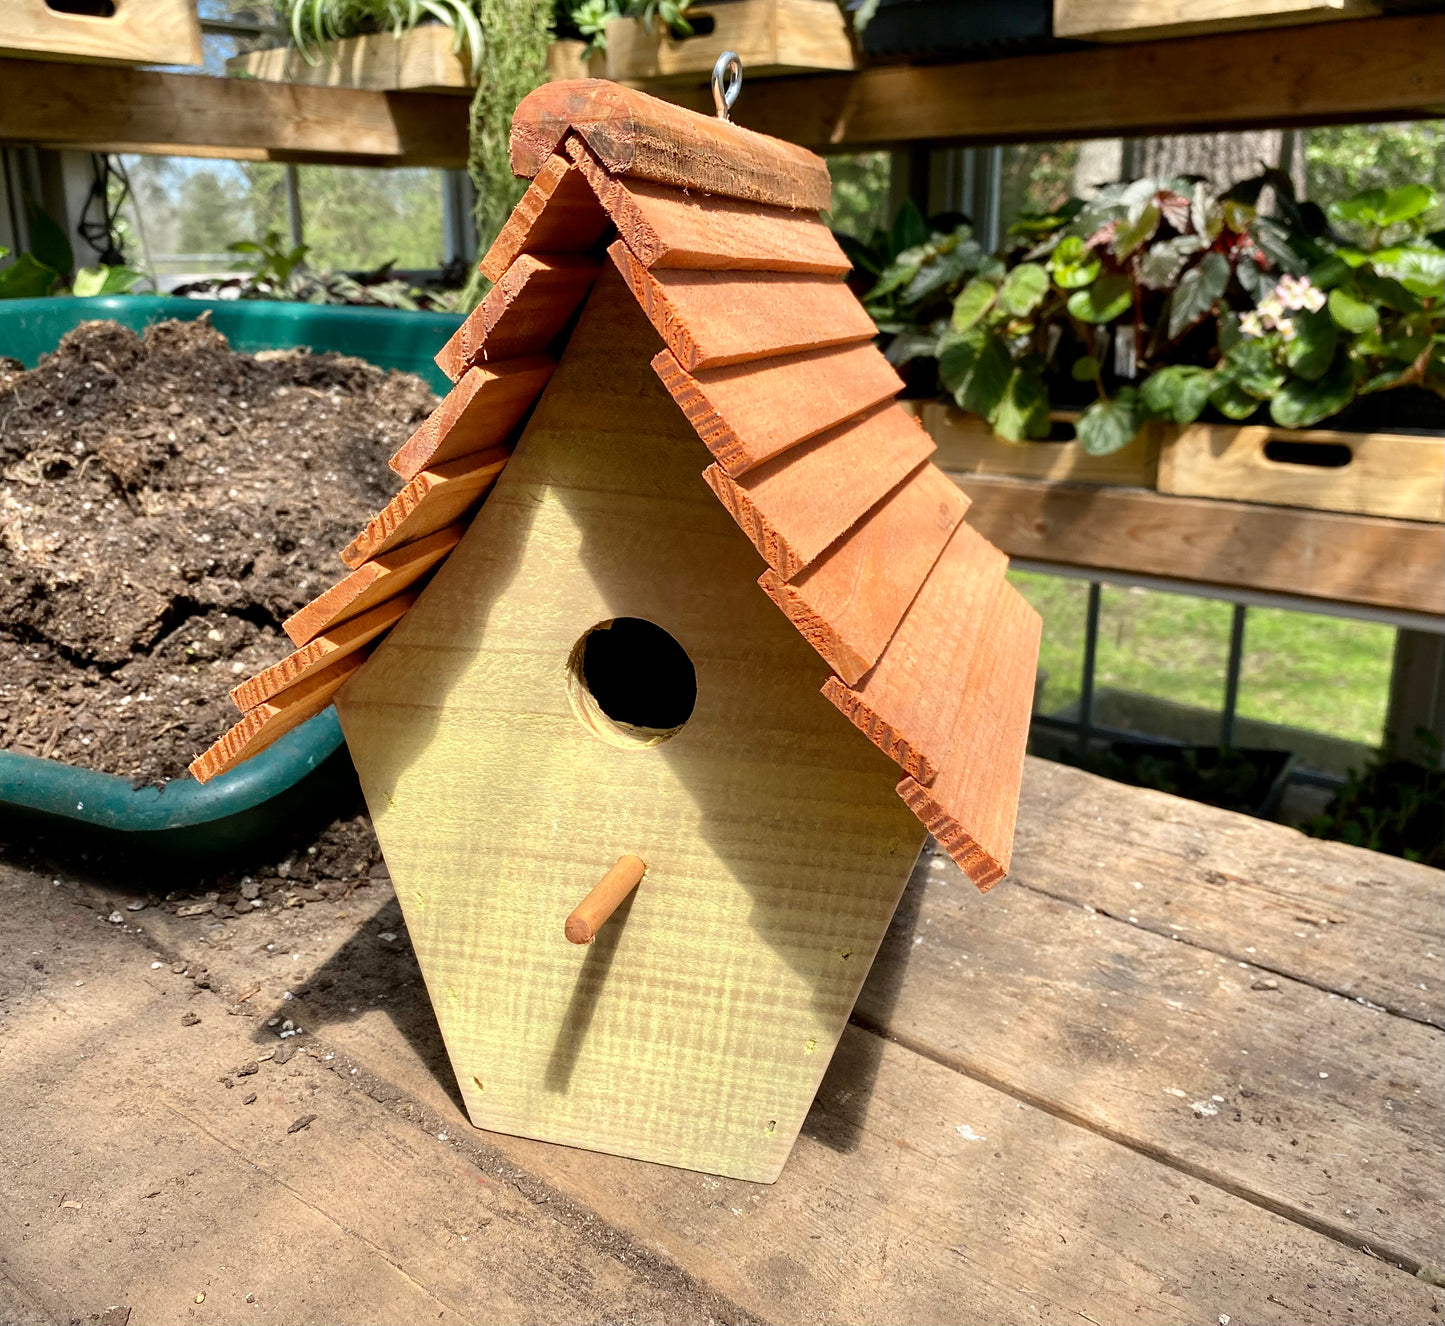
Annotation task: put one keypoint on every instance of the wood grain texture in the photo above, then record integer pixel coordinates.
(522, 314)
(848, 604)
(711, 319)
(1316, 554)
(421, 59)
(794, 507)
(1324, 73)
(481, 411)
(670, 227)
(371, 583)
(972, 804)
(1387, 474)
(559, 213)
(695, 1031)
(967, 445)
(320, 652)
(639, 136)
(770, 36)
(749, 414)
(1140, 20)
(158, 32)
(245, 118)
(1303, 1101)
(907, 704)
(433, 500)
(275, 717)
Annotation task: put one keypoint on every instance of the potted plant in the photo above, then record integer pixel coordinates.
(1158, 303)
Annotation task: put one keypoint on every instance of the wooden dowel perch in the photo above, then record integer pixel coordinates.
(592, 912)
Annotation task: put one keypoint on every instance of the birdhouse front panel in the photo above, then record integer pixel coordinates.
(696, 1028)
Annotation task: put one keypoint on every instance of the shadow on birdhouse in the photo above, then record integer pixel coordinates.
(642, 805)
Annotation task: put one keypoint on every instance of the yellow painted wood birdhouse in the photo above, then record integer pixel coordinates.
(556, 662)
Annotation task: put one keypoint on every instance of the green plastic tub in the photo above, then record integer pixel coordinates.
(306, 771)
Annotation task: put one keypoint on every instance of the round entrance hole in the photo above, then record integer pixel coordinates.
(631, 683)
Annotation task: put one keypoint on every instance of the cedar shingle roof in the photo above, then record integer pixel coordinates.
(716, 232)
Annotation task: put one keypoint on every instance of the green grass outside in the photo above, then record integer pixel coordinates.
(1323, 674)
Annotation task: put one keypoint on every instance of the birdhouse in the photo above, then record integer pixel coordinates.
(674, 645)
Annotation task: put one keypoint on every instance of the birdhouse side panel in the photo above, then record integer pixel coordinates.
(696, 1028)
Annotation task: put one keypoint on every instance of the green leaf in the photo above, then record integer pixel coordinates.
(935, 274)
(973, 302)
(896, 275)
(48, 243)
(1312, 350)
(1106, 299)
(1163, 264)
(976, 368)
(25, 278)
(1129, 234)
(1178, 393)
(1273, 239)
(1023, 410)
(1023, 289)
(1250, 366)
(1299, 404)
(1405, 203)
(1072, 264)
(1197, 292)
(1230, 400)
(909, 229)
(1363, 209)
(1109, 426)
(1085, 369)
(1420, 268)
(911, 345)
(1333, 271)
(1354, 315)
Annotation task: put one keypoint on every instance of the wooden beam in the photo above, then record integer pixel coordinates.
(1284, 550)
(137, 110)
(1329, 73)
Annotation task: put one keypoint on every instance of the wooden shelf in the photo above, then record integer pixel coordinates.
(1330, 73)
(1385, 68)
(1324, 555)
(96, 108)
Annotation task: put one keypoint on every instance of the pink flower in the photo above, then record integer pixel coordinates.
(1297, 292)
(1251, 324)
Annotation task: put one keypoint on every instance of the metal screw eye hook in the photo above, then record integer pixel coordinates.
(727, 82)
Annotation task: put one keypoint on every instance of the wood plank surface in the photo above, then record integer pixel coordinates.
(773, 840)
(634, 134)
(160, 32)
(1140, 20)
(1315, 554)
(887, 1210)
(522, 314)
(371, 583)
(794, 507)
(670, 227)
(433, 500)
(712, 319)
(967, 445)
(422, 59)
(848, 604)
(1384, 474)
(559, 213)
(749, 414)
(318, 653)
(186, 114)
(970, 807)
(906, 705)
(481, 411)
(275, 717)
(1300, 1100)
(1321, 73)
(1363, 925)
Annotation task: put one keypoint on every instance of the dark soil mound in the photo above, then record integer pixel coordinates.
(164, 504)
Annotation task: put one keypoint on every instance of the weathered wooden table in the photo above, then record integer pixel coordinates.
(1183, 1067)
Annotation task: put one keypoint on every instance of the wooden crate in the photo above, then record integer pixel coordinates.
(771, 37)
(420, 60)
(967, 445)
(1382, 474)
(139, 32)
(1141, 20)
